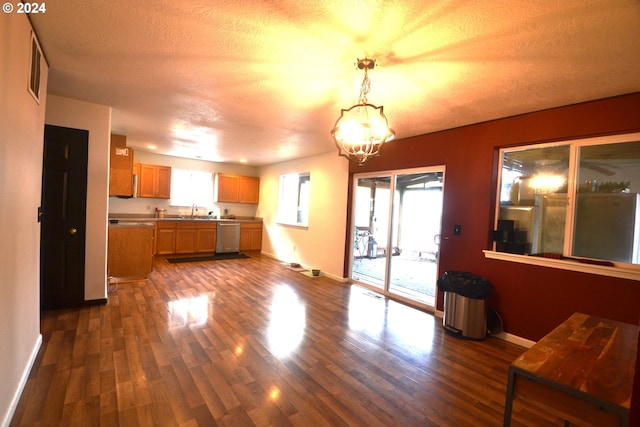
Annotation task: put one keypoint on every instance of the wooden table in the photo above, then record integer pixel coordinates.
(581, 372)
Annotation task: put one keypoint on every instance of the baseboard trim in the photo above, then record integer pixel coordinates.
(23, 382)
(329, 275)
(514, 339)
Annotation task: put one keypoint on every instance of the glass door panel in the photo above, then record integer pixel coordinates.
(371, 219)
(417, 212)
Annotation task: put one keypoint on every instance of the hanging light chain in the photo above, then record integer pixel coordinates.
(364, 88)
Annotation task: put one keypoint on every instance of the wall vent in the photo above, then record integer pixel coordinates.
(34, 74)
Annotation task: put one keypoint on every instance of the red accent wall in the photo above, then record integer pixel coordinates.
(634, 410)
(531, 300)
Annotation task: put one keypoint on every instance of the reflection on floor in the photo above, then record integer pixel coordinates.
(412, 275)
(253, 343)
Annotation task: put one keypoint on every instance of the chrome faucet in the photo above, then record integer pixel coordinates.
(194, 207)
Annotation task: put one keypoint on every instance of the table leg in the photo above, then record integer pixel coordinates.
(509, 399)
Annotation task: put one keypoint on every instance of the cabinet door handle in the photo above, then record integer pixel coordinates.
(73, 231)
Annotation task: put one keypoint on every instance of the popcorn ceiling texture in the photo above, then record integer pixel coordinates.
(265, 81)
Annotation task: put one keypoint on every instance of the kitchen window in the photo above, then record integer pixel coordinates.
(293, 200)
(190, 188)
(572, 201)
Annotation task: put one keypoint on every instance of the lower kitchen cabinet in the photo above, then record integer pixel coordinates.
(206, 239)
(185, 240)
(185, 237)
(165, 243)
(130, 253)
(250, 236)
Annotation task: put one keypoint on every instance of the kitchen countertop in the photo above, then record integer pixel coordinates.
(133, 218)
(132, 224)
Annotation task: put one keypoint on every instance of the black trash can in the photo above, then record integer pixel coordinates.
(465, 304)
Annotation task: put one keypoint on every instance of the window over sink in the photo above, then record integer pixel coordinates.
(572, 200)
(190, 187)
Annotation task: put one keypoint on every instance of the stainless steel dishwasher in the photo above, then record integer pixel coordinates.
(227, 237)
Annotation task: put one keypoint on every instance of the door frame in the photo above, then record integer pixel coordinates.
(389, 232)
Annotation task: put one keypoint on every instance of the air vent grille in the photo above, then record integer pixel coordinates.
(34, 74)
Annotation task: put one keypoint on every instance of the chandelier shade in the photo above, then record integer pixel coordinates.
(362, 130)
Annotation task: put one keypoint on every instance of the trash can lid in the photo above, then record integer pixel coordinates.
(465, 284)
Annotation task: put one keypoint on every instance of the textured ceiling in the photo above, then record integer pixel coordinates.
(265, 80)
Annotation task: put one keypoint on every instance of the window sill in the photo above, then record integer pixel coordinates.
(286, 224)
(615, 271)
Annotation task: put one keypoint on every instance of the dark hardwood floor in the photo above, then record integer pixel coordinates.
(251, 342)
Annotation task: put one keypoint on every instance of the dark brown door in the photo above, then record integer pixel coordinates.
(62, 237)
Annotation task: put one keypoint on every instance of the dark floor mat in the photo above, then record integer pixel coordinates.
(216, 257)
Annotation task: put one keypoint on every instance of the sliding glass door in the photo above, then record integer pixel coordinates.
(397, 217)
(371, 219)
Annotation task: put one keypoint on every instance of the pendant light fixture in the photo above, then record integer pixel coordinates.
(362, 130)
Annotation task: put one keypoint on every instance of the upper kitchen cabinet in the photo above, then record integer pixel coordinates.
(121, 167)
(249, 189)
(154, 181)
(237, 189)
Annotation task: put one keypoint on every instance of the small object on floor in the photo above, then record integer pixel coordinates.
(293, 266)
(112, 285)
(309, 273)
(315, 272)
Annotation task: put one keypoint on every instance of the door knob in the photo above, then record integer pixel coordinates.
(73, 231)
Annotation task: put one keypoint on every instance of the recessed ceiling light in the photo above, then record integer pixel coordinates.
(243, 160)
(151, 147)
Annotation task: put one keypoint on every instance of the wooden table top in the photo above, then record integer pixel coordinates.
(586, 353)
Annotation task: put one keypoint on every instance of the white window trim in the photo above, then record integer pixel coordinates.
(281, 217)
(602, 270)
(619, 270)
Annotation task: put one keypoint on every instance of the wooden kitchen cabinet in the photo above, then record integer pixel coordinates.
(195, 236)
(206, 239)
(185, 240)
(165, 242)
(154, 181)
(120, 167)
(226, 188)
(248, 189)
(237, 188)
(163, 182)
(250, 236)
(130, 253)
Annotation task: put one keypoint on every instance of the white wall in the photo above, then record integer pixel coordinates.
(21, 142)
(97, 120)
(321, 244)
(145, 206)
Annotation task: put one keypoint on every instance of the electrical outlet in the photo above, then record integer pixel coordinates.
(457, 230)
